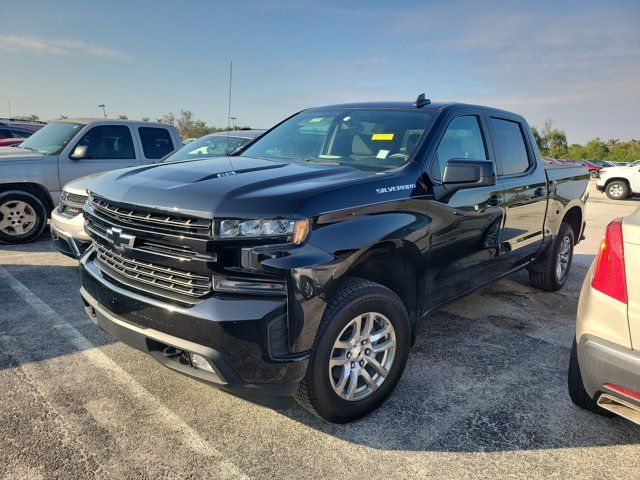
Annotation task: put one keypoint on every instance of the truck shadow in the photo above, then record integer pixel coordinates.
(488, 373)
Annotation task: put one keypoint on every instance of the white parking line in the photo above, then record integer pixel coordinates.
(171, 421)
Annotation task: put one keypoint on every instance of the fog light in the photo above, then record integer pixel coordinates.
(201, 363)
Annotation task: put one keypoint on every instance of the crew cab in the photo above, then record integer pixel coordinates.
(31, 175)
(620, 182)
(302, 264)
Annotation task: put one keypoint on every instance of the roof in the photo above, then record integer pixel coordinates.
(433, 106)
(89, 121)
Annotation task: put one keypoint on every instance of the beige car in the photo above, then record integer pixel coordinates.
(604, 370)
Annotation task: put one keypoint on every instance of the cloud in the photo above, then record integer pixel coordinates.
(57, 46)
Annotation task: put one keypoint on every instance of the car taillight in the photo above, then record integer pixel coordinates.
(608, 274)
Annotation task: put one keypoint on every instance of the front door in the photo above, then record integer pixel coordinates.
(464, 226)
(108, 147)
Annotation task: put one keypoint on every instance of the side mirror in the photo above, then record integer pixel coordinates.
(79, 152)
(466, 173)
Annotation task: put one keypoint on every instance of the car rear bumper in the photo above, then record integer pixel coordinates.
(232, 334)
(68, 234)
(604, 364)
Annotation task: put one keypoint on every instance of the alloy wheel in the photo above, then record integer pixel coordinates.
(362, 356)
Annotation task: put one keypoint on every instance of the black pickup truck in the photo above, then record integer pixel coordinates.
(301, 265)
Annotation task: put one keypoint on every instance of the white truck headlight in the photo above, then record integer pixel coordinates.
(297, 230)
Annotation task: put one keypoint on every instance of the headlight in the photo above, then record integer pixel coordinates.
(296, 231)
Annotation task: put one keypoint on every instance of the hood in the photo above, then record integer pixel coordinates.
(235, 187)
(80, 185)
(17, 154)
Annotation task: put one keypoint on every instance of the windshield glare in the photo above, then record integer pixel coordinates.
(52, 138)
(366, 138)
(208, 146)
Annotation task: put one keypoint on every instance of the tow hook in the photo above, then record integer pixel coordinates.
(171, 352)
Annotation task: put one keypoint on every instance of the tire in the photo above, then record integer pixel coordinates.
(577, 392)
(594, 173)
(617, 190)
(546, 275)
(23, 217)
(319, 390)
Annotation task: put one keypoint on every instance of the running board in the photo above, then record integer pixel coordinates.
(620, 407)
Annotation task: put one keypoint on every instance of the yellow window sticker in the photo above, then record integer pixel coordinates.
(382, 136)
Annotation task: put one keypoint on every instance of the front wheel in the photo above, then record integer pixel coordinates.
(359, 354)
(23, 217)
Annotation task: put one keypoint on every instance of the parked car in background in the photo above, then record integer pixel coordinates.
(214, 145)
(67, 223)
(31, 175)
(13, 128)
(620, 182)
(594, 169)
(304, 263)
(604, 368)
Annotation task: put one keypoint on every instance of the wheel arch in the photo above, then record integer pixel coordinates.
(395, 264)
(573, 216)
(33, 188)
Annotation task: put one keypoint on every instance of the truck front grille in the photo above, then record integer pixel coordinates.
(142, 273)
(153, 221)
(72, 198)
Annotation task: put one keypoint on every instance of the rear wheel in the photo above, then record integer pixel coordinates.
(577, 392)
(23, 217)
(553, 271)
(359, 354)
(617, 190)
(594, 173)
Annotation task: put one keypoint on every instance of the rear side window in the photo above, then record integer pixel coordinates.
(511, 149)
(108, 142)
(462, 139)
(156, 142)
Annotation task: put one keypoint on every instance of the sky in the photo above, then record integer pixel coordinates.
(577, 63)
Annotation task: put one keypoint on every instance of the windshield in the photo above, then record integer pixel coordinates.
(366, 138)
(209, 146)
(52, 138)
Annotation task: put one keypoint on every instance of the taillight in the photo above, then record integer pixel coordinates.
(608, 274)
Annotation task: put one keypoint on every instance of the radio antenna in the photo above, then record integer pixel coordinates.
(229, 111)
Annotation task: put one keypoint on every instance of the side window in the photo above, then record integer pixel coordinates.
(511, 149)
(108, 142)
(462, 139)
(5, 133)
(156, 142)
(20, 133)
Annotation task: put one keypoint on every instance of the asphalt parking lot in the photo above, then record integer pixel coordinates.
(484, 395)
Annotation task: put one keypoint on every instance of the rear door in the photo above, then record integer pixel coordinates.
(465, 225)
(525, 188)
(155, 143)
(109, 146)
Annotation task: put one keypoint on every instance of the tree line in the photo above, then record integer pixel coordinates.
(552, 142)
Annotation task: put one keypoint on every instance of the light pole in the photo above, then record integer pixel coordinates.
(233, 123)
(104, 112)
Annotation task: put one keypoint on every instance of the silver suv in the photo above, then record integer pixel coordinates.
(32, 175)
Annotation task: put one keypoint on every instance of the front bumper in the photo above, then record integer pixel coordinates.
(232, 333)
(605, 363)
(68, 234)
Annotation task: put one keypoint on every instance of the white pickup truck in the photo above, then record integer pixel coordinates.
(620, 182)
(32, 175)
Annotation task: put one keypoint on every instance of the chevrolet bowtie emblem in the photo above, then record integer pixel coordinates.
(119, 239)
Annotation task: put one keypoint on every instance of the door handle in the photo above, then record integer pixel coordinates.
(494, 200)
